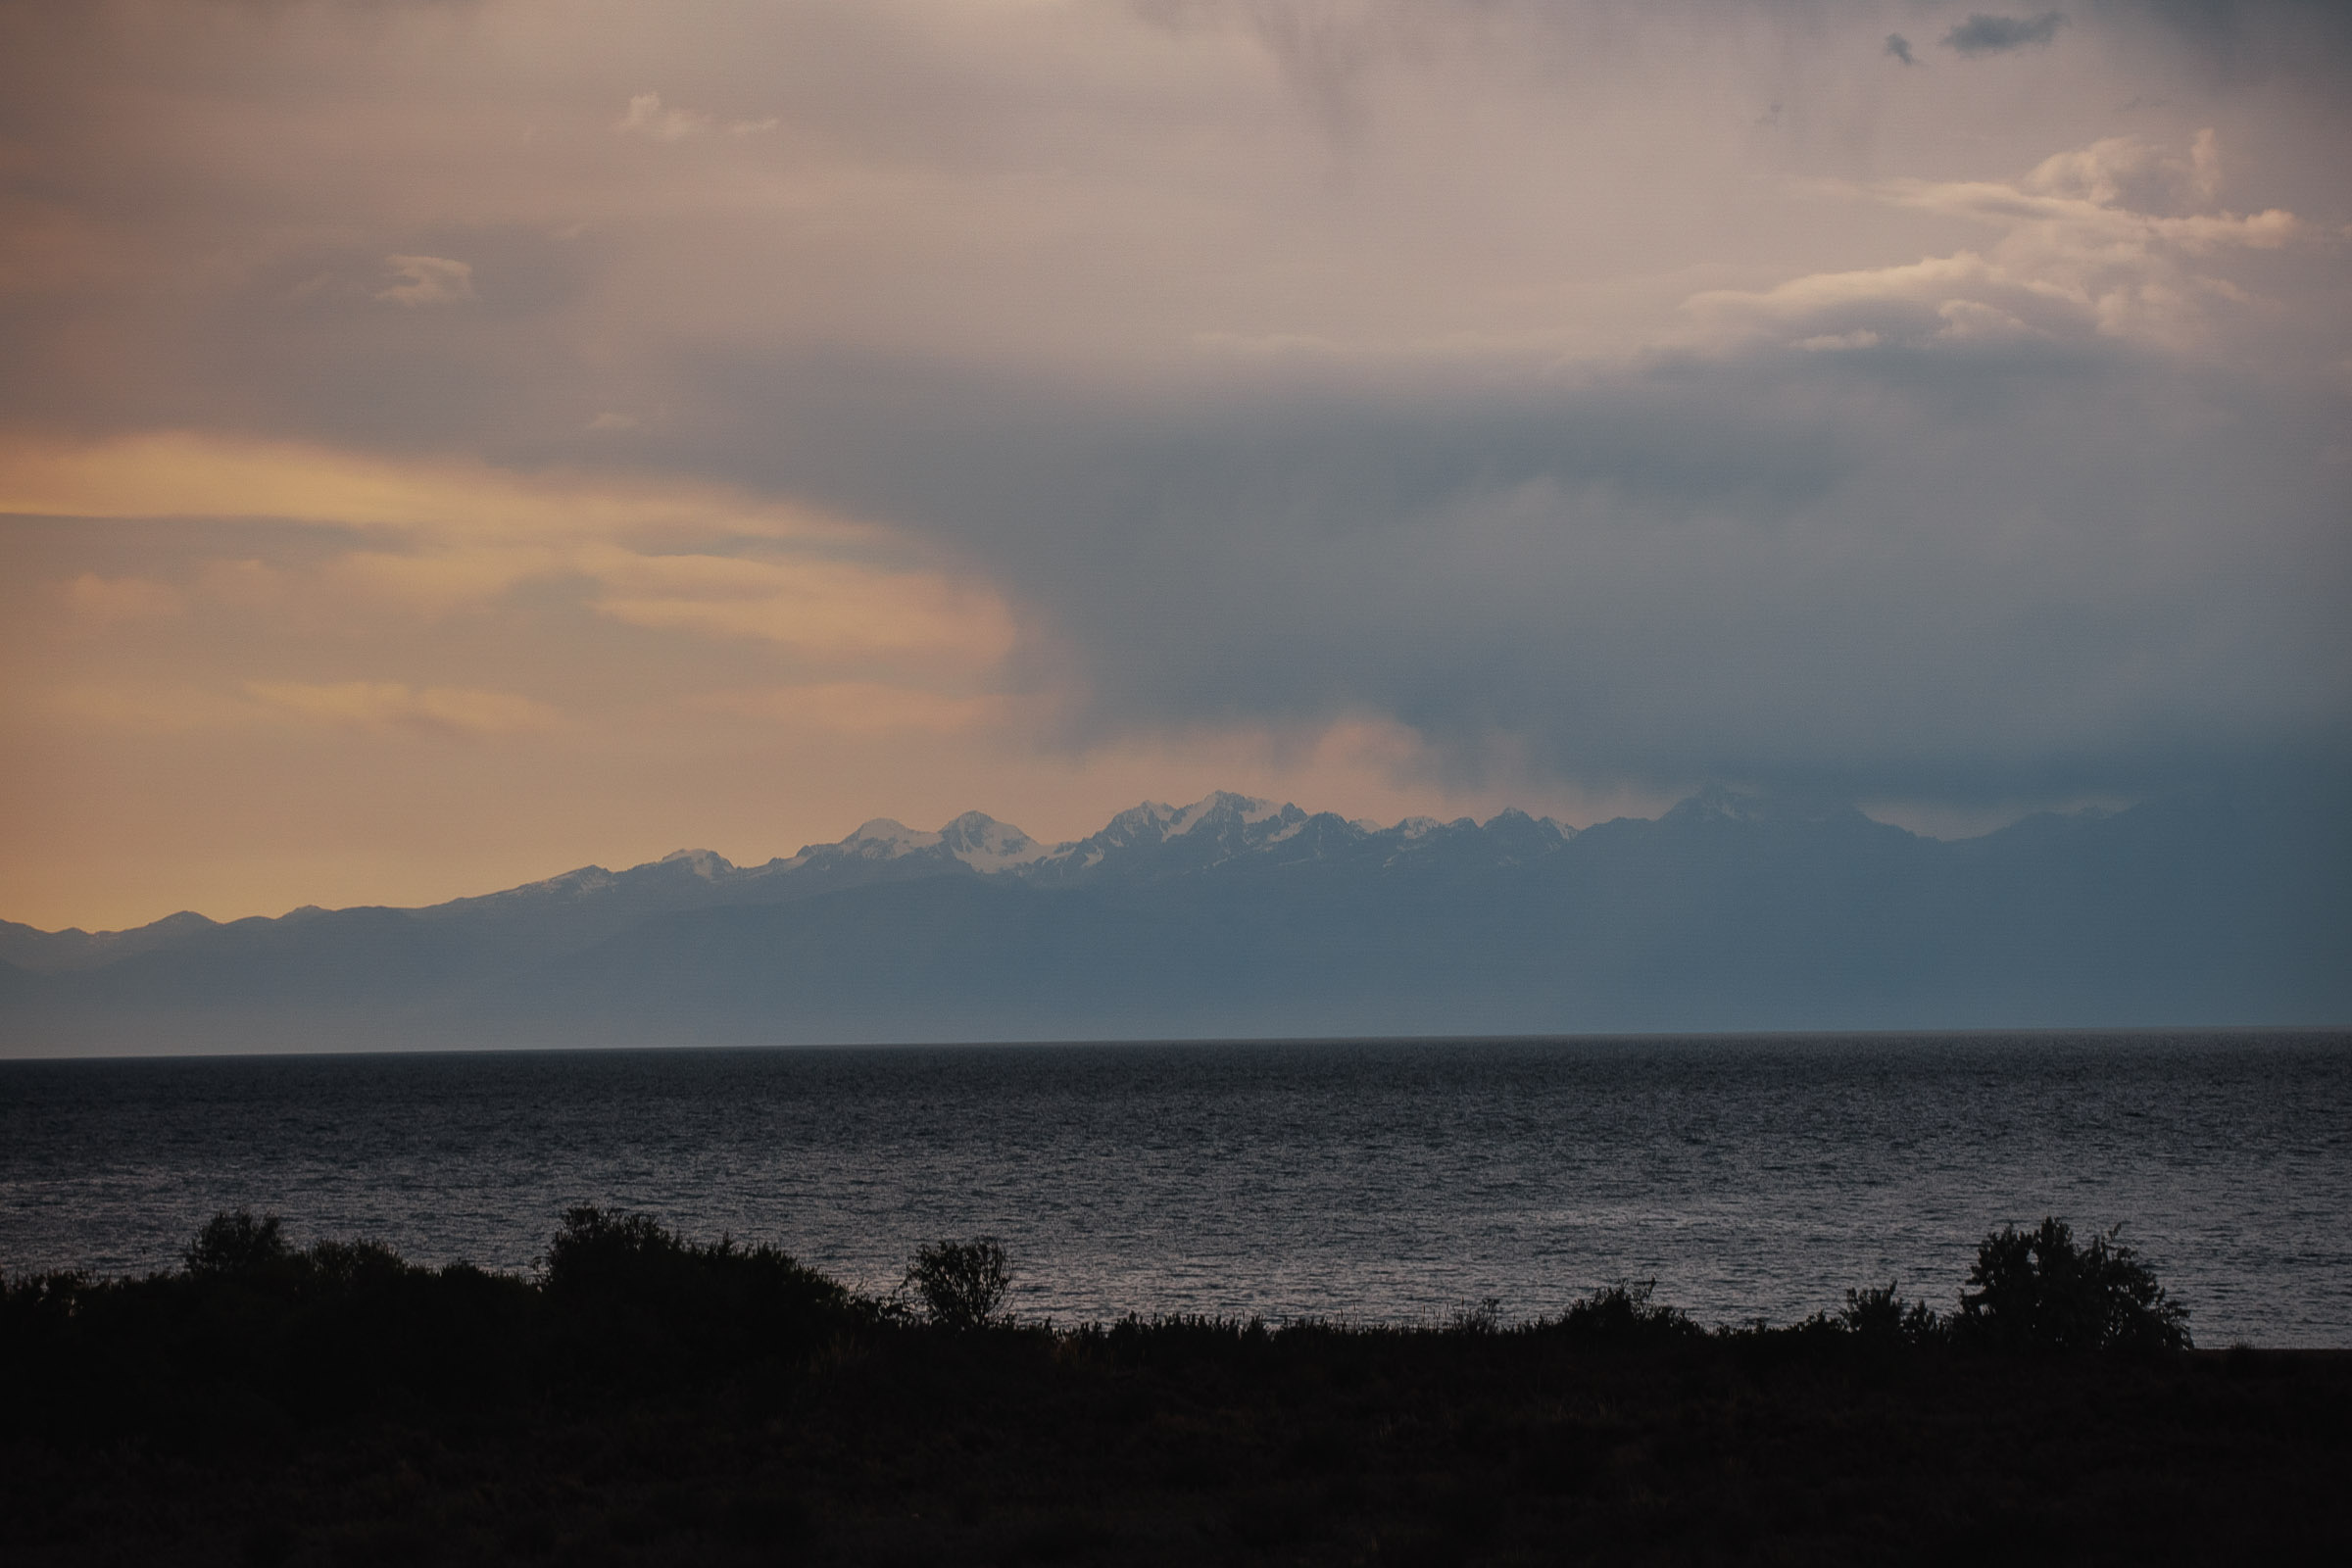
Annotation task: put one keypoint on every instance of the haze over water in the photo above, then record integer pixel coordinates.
(1391, 1180)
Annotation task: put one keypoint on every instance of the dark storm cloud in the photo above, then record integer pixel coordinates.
(2243, 41)
(1876, 572)
(1900, 48)
(1987, 34)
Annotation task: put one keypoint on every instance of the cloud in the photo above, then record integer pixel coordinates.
(2075, 257)
(1192, 379)
(1984, 33)
(427, 280)
(437, 580)
(2248, 43)
(438, 539)
(819, 608)
(105, 601)
(646, 117)
(391, 706)
(181, 708)
(1900, 48)
(150, 708)
(2034, 538)
(2129, 173)
(1839, 342)
(865, 708)
(188, 474)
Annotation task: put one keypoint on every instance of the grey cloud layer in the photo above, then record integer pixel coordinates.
(1275, 360)
(1856, 570)
(1984, 33)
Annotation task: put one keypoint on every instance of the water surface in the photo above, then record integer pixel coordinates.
(1389, 1180)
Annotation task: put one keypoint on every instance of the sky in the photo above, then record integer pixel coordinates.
(445, 442)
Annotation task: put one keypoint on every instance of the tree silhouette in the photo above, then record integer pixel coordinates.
(962, 1284)
(2041, 1290)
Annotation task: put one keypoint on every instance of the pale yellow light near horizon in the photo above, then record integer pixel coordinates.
(185, 474)
(214, 691)
(468, 532)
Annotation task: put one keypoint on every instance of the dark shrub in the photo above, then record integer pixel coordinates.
(635, 1301)
(356, 1265)
(1881, 1316)
(234, 1244)
(962, 1284)
(602, 1253)
(1483, 1318)
(29, 1298)
(1622, 1314)
(2042, 1290)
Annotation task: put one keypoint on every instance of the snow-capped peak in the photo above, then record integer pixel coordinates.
(985, 844)
(1152, 821)
(1249, 808)
(708, 864)
(1147, 821)
(975, 838)
(885, 838)
(1153, 839)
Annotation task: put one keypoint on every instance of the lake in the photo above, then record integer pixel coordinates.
(1388, 1180)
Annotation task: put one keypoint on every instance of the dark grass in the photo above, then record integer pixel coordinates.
(648, 1400)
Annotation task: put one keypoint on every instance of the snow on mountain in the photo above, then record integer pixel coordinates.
(1154, 823)
(975, 839)
(1146, 841)
(1143, 844)
(1232, 915)
(885, 838)
(985, 844)
(1249, 809)
(582, 882)
(1147, 823)
(704, 864)
(1153, 839)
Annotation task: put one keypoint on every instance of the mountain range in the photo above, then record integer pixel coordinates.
(1238, 918)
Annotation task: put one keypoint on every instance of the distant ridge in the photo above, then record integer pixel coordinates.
(1235, 915)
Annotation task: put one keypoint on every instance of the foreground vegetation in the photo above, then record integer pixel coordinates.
(646, 1399)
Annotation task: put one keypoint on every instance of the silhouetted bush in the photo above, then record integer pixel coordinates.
(357, 1266)
(1483, 1318)
(1881, 1316)
(600, 1251)
(234, 1244)
(1624, 1313)
(257, 1340)
(633, 1302)
(236, 1249)
(256, 1336)
(962, 1284)
(2042, 1290)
